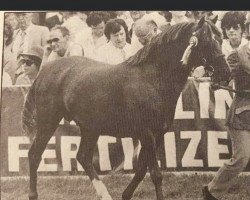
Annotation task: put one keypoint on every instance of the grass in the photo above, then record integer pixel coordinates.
(181, 187)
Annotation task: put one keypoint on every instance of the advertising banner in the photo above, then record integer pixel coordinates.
(197, 141)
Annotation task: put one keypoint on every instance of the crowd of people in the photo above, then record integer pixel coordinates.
(32, 39)
(106, 36)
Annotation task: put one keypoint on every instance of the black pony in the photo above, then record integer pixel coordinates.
(134, 99)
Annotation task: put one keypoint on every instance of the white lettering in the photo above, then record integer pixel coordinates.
(14, 152)
(128, 149)
(104, 159)
(48, 153)
(68, 153)
(188, 159)
(180, 113)
(170, 149)
(215, 149)
(204, 98)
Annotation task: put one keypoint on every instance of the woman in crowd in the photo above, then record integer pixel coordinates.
(117, 49)
(30, 62)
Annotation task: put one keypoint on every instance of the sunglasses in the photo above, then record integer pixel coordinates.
(235, 27)
(53, 40)
(27, 62)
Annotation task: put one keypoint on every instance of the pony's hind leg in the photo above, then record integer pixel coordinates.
(37, 148)
(85, 156)
(46, 126)
(140, 173)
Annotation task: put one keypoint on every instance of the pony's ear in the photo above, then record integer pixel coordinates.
(214, 20)
(201, 22)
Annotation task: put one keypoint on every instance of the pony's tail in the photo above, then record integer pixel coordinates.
(29, 123)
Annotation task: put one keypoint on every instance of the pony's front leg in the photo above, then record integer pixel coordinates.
(149, 142)
(84, 157)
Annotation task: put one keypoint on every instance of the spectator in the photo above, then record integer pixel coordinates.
(73, 23)
(9, 61)
(178, 17)
(117, 49)
(93, 39)
(135, 15)
(11, 19)
(30, 61)
(82, 15)
(232, 25)
(156, 17)
(28, 34)
(145, 30)
(60, 46)
(168, 16)
(125, 15)
(52, 19)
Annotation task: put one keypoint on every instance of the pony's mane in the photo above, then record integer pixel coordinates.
(160, 43)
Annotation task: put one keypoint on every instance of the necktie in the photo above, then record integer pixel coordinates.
(21, 46)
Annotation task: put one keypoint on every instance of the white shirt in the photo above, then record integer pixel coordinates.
(90, 46)
(72, 50)
(112, 55)
(18, 40)
(227, 48)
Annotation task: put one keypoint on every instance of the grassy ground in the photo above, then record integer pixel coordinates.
(182, 187)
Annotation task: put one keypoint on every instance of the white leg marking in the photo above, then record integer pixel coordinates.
(101, 190)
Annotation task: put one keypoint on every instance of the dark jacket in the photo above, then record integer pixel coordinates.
(239, 112)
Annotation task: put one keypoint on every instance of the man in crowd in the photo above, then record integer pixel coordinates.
(238, 122)
(135, 15)
(93, 39)
(145, 30)
(73, 22)
(30, 62)
(28, 34)
(11, 19)
(60, 46)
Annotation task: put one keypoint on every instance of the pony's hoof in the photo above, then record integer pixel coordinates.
(33, 196)
(126, 196)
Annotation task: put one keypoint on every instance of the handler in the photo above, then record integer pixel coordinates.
(238, 122)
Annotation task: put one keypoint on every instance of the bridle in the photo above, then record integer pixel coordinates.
(193, 42)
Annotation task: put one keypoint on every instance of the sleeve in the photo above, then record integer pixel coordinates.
(244, 57)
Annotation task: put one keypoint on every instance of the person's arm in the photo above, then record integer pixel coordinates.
(47, 52)
(244, 58)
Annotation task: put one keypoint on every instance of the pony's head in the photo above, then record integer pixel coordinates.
(208, 52)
